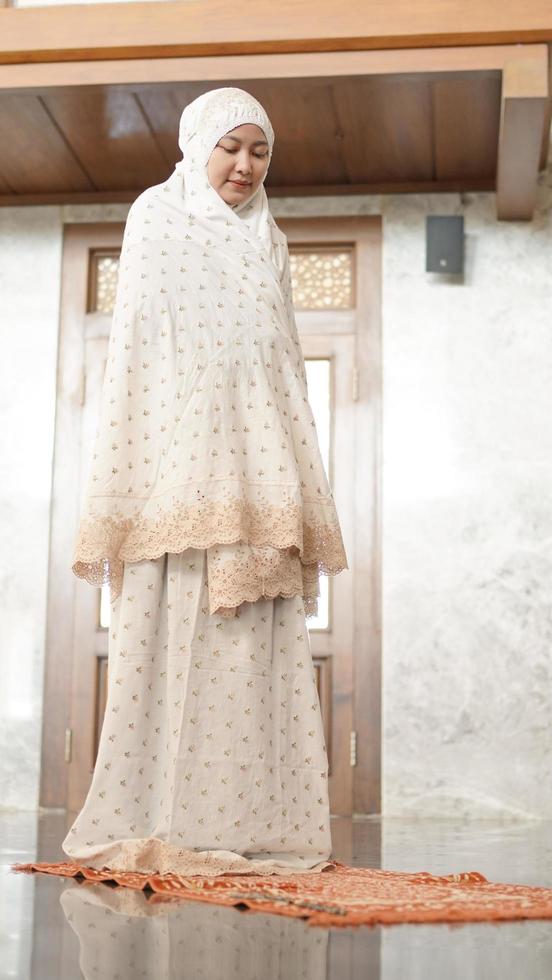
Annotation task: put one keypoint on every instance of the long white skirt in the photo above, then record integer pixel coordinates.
(212, 756)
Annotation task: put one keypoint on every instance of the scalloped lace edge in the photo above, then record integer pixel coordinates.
(245, 572)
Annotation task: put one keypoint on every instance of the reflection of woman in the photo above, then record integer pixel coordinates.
(209, 513)
(122, 934)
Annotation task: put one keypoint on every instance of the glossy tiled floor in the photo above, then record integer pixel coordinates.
(51, 930)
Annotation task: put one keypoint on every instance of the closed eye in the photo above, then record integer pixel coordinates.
(260, 156)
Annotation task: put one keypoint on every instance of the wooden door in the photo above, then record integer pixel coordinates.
(336, 292)
(76, 641)
(336, 275)
(89, 688)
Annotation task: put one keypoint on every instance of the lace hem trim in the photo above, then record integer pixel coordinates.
(226, 600)
(154, 856)
(240, 573)
(280, 557)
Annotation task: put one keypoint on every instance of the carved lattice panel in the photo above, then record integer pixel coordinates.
(322, 278)
(104, 273)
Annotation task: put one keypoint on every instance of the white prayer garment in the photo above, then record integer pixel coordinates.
(206, 434)
(209, 513)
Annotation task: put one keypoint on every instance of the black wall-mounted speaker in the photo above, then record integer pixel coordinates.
(445, 243)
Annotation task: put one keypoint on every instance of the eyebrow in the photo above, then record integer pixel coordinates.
(238, 140)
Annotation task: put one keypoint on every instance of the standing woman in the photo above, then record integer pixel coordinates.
(209, 514)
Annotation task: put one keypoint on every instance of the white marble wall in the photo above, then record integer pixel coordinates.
(467, 511)
(30, 253)
(467, 538)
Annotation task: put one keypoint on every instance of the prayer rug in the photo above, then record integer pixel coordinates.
(339, 895)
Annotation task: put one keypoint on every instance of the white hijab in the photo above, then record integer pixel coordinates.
(206, 438)
(202, 124)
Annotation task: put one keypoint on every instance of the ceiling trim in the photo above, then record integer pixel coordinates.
(105, 31)
(141, 73)
(314, 190)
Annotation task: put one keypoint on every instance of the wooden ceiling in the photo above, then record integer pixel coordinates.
(442, 118)
(335, 133)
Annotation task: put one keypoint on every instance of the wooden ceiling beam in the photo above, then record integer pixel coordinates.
(315, 190)
(524, 107)
(104, 31)
(141, 73)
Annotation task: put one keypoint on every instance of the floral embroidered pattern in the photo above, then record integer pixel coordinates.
(215, 113)
(240, 573)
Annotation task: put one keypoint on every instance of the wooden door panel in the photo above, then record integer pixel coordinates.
(63, 750)
(353, 645)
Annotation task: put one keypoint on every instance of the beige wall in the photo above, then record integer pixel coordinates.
(467, 512)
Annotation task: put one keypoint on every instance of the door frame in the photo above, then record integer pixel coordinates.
(78, 241)
(365, 232)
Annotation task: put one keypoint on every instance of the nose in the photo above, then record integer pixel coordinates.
(243, 163)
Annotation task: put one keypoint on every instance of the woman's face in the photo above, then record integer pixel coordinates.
(238, 163)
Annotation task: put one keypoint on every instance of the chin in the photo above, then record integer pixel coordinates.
(236, 197)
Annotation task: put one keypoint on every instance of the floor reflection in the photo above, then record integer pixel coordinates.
(122, 934)
(63, 929)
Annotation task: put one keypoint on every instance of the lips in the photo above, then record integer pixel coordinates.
(239, 183)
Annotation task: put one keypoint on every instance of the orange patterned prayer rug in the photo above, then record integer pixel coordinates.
(340, 895)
